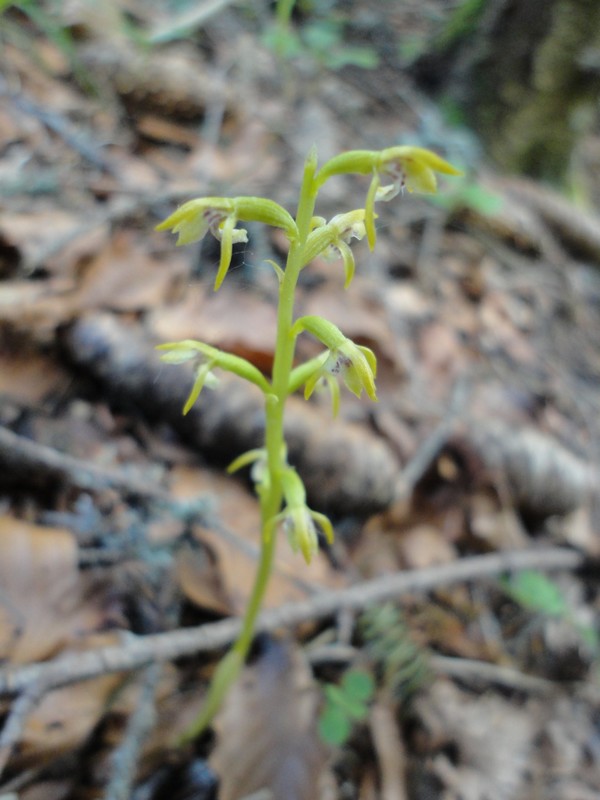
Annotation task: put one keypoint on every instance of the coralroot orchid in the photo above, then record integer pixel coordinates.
(411, 167)
(220, 215)
(280, 489)
(332, 240)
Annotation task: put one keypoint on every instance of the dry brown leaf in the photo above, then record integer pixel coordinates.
(240, 322)
(42, 604)
(267, 734)
(161, 130)
(425, 546)
(59, 96)
(578, 530)
(65, 718)
(448, 626)
(45, 790)
(28, 378)
(9, 133)
(124, 277)
(376, 552)
(497, 527)
(491, 737)
(442, 354)
(36, 232)
(506, 323)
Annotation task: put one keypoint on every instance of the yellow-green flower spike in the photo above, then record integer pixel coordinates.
(280, 489)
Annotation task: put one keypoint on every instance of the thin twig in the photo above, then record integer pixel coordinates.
(125, 757)
(137, 652)
(15, 722)
(20, 454)
(428, 450)
(475, 671)
(58, 124)
(390, 750)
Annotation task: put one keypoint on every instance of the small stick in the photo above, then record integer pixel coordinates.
(126, 756)
(136, 651)
(20, 454)
(13, 727)
(429, 449)
(476, 671)
(391, 753)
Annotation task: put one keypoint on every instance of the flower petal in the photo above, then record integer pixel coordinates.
(349, 263)
(203, 374)
(226, 235)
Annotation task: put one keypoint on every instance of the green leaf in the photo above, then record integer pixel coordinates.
(282, 41)
(362, 57)
(322, 36)
(358, 684)
(351, 706)
(334, 726)
(535, 592)
(482, 200)
(590, 636)
(470, 195)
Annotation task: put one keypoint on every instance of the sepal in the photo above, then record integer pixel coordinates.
(179, 352)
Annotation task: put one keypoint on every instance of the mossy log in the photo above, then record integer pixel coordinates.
(527, 76)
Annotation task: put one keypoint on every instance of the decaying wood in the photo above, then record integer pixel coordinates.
(344, 468)
(542, 476)
(173, 83)
(577, 228)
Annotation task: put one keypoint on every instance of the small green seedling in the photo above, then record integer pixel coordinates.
(280, 489)
(471, 195)
(538, 594)
(345, 704)
(534, 592)
(322, 35)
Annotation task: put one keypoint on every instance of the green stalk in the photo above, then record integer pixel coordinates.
(271, 499)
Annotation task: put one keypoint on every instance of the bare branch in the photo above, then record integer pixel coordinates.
(136, 652)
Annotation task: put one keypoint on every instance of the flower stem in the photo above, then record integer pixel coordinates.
(271, 495)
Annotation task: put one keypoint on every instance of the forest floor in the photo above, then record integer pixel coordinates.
(463, 578)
